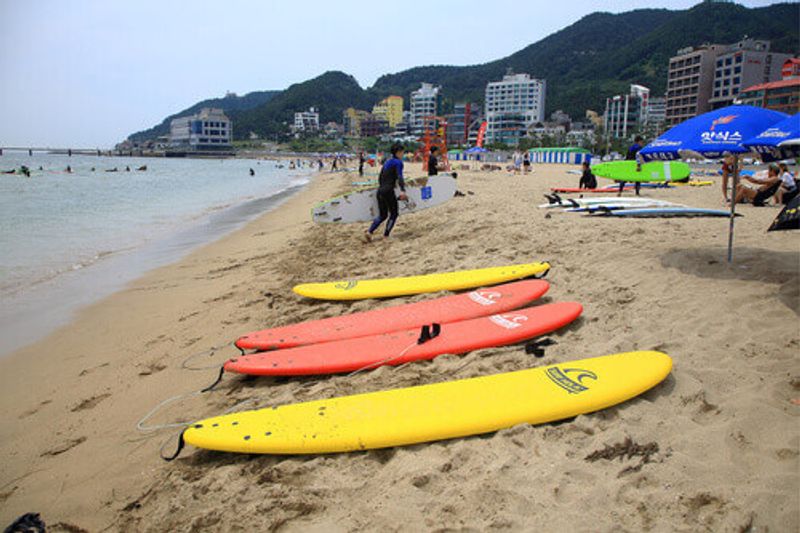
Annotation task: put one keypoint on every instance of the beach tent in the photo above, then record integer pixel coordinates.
(565, 155)
(475, 152)
(713, 135)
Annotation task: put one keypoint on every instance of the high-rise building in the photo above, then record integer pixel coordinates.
(425, 102)
(390, 109)
(689, 81)
(210, 129)
(712, 76)
(626, 113)
(512, 106)
(743, 64)
(306, 121)
(464, 118)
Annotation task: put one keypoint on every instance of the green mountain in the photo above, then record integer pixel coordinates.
(330, 94)
(598, 56)
(230, 104)
(602, 54)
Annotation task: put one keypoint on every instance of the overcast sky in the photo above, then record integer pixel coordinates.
(84, 73)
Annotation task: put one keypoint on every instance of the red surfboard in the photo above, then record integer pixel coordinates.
(601, 189)
(455, 308)
(403, 346)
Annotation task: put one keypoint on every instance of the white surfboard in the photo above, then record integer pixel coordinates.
(600, 200)
(362, 205)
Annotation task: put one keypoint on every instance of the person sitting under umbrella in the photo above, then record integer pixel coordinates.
(788, 188)
(766, 188)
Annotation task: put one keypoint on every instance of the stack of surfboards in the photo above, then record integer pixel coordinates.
(621, 206)
(491, 316)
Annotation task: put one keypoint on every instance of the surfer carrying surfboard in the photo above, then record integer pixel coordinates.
(391, 175)
(633, 155)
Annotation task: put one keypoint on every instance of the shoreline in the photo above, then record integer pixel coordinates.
(723, 422)
(35, 310)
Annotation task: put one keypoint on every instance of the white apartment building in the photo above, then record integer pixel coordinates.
(209, 129)
(626, 112)
(512, 106)
(425, 102)
(306, 121)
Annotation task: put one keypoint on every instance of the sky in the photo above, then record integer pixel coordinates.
(87, 73)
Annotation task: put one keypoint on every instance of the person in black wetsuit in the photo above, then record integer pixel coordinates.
(588, 181)
(633, 155)
(391, 174)
(433, 163)
(361, 161)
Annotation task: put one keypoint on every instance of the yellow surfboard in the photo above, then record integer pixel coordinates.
(434, 412)
(694, 183)
(445, 281)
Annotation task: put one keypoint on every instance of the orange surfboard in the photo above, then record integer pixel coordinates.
(455, 308)
(400, 347)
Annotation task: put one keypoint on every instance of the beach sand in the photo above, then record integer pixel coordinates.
(723, 424)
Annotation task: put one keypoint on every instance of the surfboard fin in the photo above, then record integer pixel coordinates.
(536, 348)
(429, 332)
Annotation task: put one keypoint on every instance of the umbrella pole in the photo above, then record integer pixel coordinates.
(733, 207)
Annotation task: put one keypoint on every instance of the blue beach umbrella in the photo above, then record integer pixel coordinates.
(780, 141)
(713, 135)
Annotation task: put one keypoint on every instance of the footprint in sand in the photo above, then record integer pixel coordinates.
(58, 450)
(90, 403)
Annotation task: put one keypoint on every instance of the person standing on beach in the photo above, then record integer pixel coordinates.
(391, 175)
(433, 163)
(727, 172)
(633, 155)
(526, 162)
(361, 161)
(588, 180)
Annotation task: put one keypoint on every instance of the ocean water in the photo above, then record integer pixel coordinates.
(68, 239)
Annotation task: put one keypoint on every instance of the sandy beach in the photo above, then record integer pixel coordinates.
(713, 448)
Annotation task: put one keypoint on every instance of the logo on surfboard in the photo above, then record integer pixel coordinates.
(484, 297)
(346, 285)
(508, 320)
(571, 379)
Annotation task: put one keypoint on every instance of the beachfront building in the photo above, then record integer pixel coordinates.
(689, 81)
(744, 64)
(782, 95)
(425, 101)
(626, 113)
(352, 118)
(712, 76)
(512, 106)
(306, 121)
(209, 129)
(374, 126)
(389, 109)
(465, 118)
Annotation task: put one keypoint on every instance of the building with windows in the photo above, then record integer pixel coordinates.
(464, 119)
(352, 118)
(744, 64)
(689, 81)
(626, 113)
(209, 129)
(782, 95)
(306, 121)
(512, 106)
(374, 126)
(425, 101)
(712, 76)
(390, 109)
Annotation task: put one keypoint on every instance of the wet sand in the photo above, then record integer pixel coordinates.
(714, 447)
